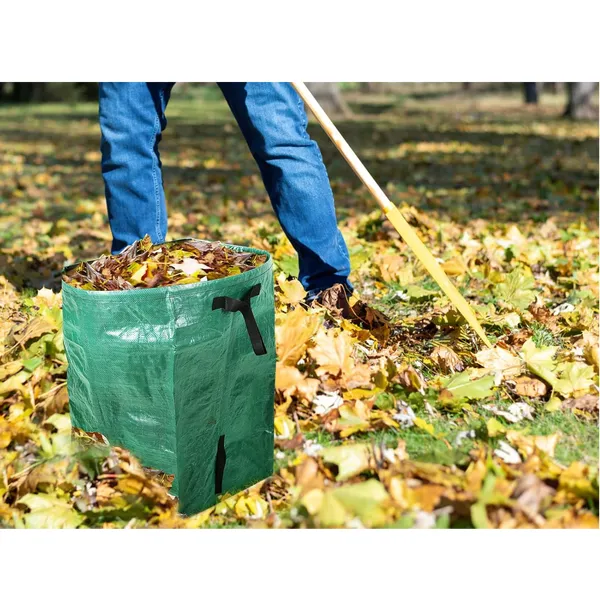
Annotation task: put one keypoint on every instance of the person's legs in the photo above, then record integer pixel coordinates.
(132, 117)
(273, 120)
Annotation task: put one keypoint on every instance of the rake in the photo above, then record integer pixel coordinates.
(391, 212)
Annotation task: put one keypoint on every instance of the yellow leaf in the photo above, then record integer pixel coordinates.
(332, 352)
(5, 439)
(424, 425)
(590, 348)
(411, 379)
(50, 512)
(292, 332)
(312, 500)
(553, 404)
(10, 368)
(290, 381)
(48, 298)
(285, 428)
(351, 459)
(332, 512)
(139, 273)
(575, 377)
(292, 291)
(363, 500)
(540, 361)
(494, 427)
(575, 479)
(359, 394)
(251, 506)
(454, 266)
(528, 444)
(14, 383)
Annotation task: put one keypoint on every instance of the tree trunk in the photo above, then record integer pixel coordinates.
(531, 93)
(28, 92)
(580, 101)
(329, 97)
(373, 87)
(89, 90)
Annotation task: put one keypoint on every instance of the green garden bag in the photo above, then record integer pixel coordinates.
(183, 376)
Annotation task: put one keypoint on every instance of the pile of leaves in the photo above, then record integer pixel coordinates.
(412, 423)
(144, 265)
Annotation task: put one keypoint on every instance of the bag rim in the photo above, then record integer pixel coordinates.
(238, 278)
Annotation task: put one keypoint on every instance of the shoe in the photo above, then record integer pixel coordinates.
(341, 302)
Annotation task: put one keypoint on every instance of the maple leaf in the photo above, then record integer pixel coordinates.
(290, 381)
(50, 512)
(462, 386)
(292, 291)
(332, 352)
(574, 377)
(292, 332)
(351, 459)
(446, 359)
(517, 289)
(540, 361)
(528, 444)
(501, 362)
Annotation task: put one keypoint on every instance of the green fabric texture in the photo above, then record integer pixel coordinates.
(177, 382)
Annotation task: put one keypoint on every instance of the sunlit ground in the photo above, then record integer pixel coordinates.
(504, 195)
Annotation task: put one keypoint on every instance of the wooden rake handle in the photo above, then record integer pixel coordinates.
(391, 212)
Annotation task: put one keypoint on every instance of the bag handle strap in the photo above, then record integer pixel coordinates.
(229, 304)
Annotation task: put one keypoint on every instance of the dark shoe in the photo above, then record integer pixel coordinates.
(340, 302)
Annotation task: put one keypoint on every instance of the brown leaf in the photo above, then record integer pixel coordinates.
(55, 403)
(33, 330)
(530, 492)
(447, 360)
(306, 472)
(530, 387)
(587, 403)
(350, 307)
(292, 444)
(411, 379)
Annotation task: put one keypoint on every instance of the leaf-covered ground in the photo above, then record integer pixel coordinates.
(417, 425)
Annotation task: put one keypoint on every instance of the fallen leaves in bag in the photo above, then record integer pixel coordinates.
(144, 265)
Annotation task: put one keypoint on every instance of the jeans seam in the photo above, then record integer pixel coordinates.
(159, 239)
(304, 115)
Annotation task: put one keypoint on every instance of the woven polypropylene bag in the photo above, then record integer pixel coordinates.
(183, 376)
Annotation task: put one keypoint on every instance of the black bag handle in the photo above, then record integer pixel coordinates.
(229, 304)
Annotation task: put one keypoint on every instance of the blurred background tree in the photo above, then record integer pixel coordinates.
(330, 98)
(580, 99)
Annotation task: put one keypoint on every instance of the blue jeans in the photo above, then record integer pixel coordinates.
(272, 118)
